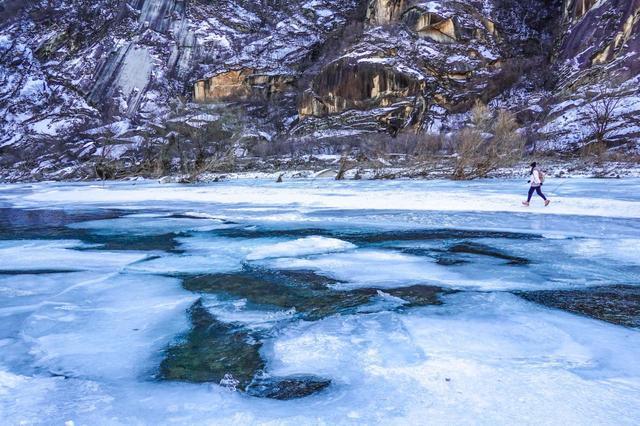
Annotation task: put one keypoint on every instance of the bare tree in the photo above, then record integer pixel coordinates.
(481, 117)
(602, 108)
(429, 144)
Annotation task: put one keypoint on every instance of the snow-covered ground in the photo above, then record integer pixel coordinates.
(94, 287)
(295, 198)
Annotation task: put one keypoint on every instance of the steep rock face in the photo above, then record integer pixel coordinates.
(431, 25)
(428, 60)
(380, 12)
(76, 71)
(596, 34)
(242, 84)
(352, 84)
(576, 9)
(127, 73)
(597, 55)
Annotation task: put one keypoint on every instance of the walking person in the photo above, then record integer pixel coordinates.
(537, 179)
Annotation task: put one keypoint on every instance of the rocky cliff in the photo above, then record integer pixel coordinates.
(79, 75)
(596, 54)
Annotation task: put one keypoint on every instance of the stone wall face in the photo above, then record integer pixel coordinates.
(343, 85)
(413, 58)
(241, 85)
(382, 12)
(224, 86)
(597, 55)
(599, 35)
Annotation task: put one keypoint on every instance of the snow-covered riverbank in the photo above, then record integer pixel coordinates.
(328, 167)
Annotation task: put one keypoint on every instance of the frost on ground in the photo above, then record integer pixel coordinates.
(319, 302)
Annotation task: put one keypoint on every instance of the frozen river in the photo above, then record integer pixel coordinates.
(320, 302)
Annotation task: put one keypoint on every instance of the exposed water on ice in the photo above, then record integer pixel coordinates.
(320, 302)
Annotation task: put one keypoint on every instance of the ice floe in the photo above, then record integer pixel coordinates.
(371, 268)
(300, 247)
(149, 224)
(62, 255)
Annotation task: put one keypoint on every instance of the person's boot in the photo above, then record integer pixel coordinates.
(546, 202)
(525, 203)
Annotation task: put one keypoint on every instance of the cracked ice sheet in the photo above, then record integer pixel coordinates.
(148, 224)
(25, 292)
(300, 247)
(478, 359)
(109, 327)
(552, 263)
(61, 255)
(370, 268)
(388, 269)
(494, 196)
(209, 254)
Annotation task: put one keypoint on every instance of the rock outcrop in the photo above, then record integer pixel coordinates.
(598, 35)
(241, 85)
(597, 55)
(415, 61)
(358, 84)
(380, 12)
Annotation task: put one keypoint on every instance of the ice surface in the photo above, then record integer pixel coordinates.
(231, 253)
(480, 358)
(25, 290)
(187, 264)
(149, 224)
(25, 255)
(301, 247)
(108, 327)
(205, 253)
(621, 250)
(85, 346)
(403, 195)
(237, 311)
(371, 268)
(485, 358)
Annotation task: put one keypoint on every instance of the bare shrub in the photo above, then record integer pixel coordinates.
(508, 141)
(430, 144)
(381, 145)
(602, 107)
(469, 142)
(594, 150)
(345, 166)
(189, 143)
(104, 165)
(481, 117)
(279, 147)
(491, 141)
